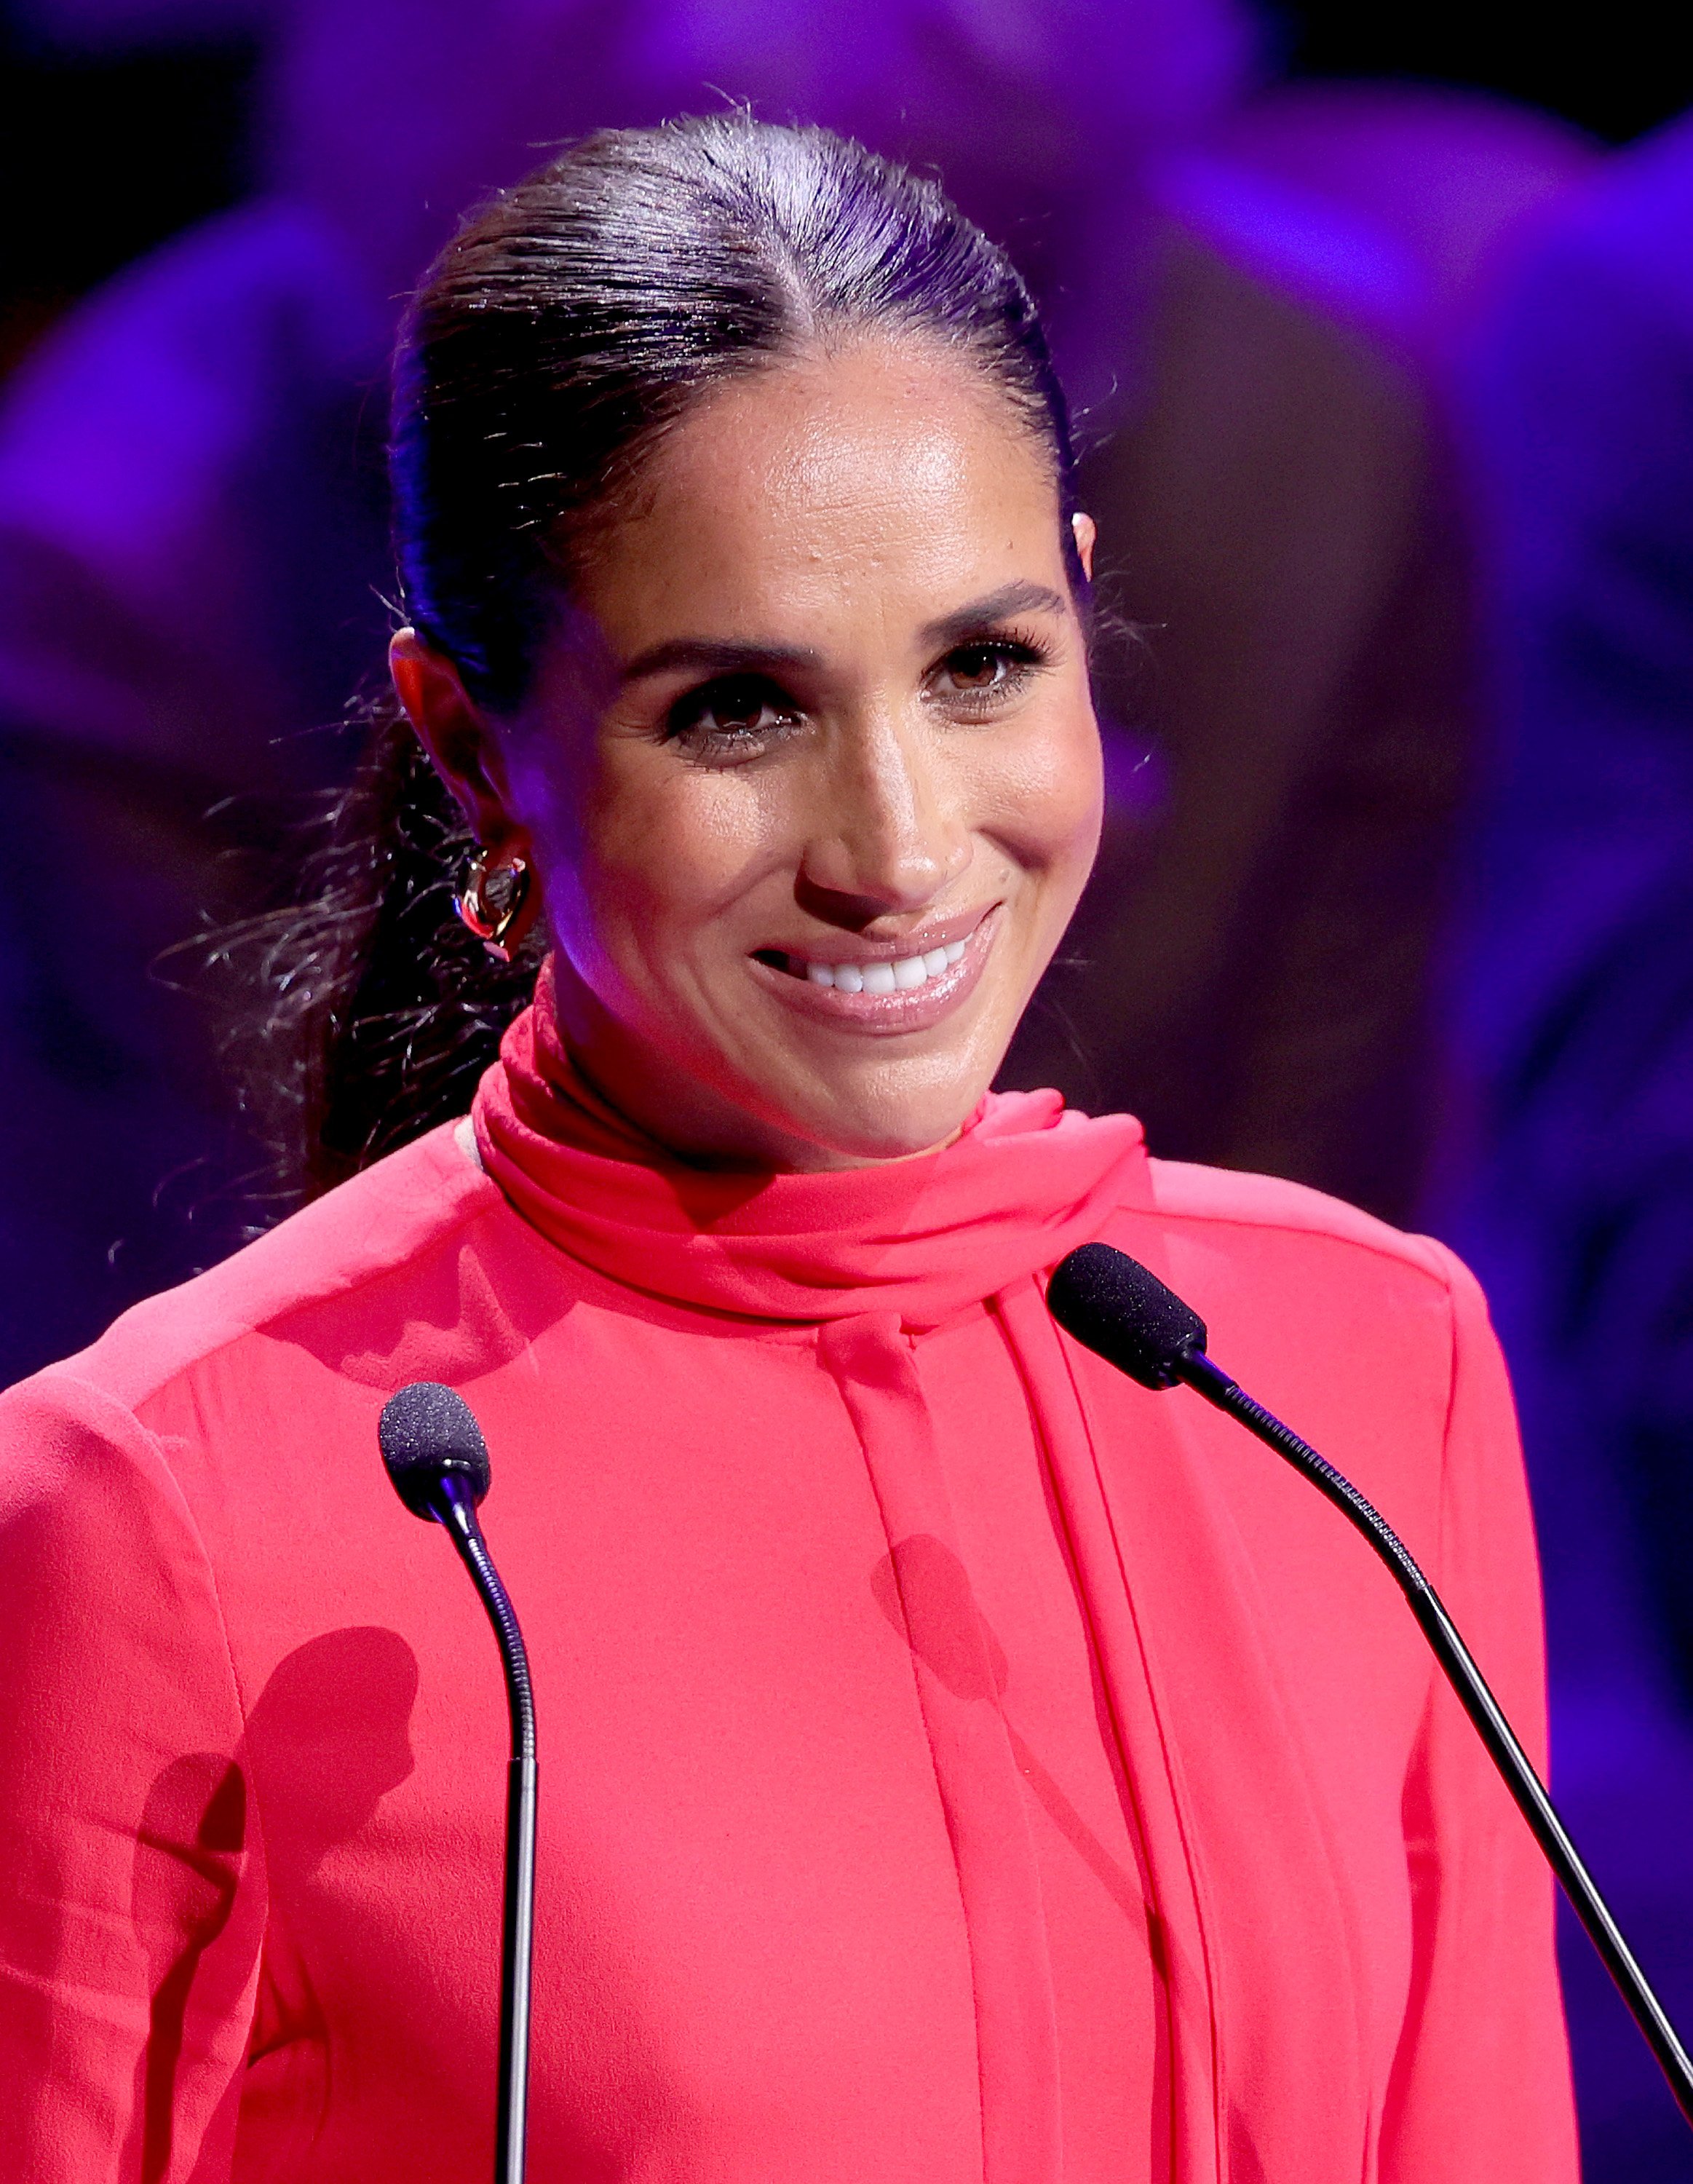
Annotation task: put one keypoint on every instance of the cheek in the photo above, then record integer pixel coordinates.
(1045, 799)
(667, 851)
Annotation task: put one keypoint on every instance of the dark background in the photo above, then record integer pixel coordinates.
(100, 159)
(1617, 87)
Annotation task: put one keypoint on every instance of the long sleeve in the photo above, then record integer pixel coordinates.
(1481, 2086)
(131, 1901)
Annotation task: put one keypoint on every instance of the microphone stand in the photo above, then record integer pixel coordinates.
(1466, 1679)
(454, 1504)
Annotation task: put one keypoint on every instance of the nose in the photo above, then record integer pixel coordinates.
(889, 835)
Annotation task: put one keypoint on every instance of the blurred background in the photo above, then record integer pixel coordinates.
(1380, 326)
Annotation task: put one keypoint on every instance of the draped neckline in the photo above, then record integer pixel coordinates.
(1025, 1181)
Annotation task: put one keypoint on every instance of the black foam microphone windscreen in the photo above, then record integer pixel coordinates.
(427, 1432)
(1126, 1315)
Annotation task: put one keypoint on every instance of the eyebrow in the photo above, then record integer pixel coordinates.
(703, 655)
(1019, 598)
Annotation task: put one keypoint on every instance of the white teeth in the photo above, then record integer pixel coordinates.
(882, 976)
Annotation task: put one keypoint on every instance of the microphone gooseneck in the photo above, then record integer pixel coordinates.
(1115, 1307)
(435, 1455)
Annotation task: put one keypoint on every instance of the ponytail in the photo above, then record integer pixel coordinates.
(380, 1010)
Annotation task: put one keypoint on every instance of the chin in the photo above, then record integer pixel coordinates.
(891, 1113)
(878, 1133)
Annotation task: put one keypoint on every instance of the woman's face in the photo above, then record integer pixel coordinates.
(811, 780)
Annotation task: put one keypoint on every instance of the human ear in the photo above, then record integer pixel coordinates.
(1085, 531)
(452, 730)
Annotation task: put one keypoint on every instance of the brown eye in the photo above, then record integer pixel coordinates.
(976, 667)
(989, 670)
(735, 711)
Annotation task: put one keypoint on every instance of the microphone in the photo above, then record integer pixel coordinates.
(435, 1455)
(1115, 1308)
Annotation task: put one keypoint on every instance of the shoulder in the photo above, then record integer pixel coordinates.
(1260, 1256)
(361, 1251)
(1374, 1344)
(1303, 1221)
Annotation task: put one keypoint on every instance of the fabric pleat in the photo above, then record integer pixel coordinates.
(976, 1771)
(1153, 1538)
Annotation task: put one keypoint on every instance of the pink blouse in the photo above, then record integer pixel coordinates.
(957, 1762)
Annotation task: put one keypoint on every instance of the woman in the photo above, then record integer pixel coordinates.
(957, 1762)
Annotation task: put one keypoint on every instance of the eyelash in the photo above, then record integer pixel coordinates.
(685, 721)
(1019, 653)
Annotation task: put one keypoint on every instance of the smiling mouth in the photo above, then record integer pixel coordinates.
(885, 993)
(882, 974)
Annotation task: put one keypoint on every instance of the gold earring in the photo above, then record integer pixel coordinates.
(493, 911)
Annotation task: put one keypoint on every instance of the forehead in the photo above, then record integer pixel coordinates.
(822, 483)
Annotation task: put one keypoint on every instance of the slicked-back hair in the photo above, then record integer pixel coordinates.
(570, 323)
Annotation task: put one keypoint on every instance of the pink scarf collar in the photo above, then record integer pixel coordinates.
(923, 1239)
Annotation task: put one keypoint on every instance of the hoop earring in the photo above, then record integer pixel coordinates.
(497, 915)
